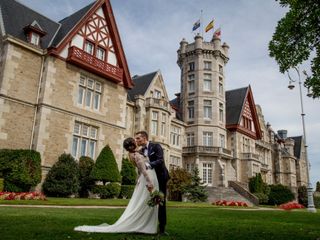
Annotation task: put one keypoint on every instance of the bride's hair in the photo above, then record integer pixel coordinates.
(129, 144)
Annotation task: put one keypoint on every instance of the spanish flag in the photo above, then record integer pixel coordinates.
(209, 26)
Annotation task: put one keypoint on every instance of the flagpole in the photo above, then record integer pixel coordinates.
(201, 23)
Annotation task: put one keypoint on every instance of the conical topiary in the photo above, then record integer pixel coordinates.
(86, 183)
(106, 169)
(128, 172)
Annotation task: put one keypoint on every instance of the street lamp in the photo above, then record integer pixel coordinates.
(311, 207)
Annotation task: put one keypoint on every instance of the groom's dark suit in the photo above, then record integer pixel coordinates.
(155, 154)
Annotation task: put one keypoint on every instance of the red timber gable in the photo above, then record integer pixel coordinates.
(248, 123)
(94, 44)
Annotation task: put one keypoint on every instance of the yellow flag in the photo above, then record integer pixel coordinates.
(209, 26)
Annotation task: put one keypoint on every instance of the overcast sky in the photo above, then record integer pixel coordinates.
(152, 29)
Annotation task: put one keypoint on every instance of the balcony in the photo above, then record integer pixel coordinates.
(263, 144)
(206, 150)
(250, 156)
(264, 167)
(157, 103)
(89, 62)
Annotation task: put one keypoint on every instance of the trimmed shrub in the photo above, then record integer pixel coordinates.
(21, 169)
(63, 178)
(85, 181)
(179, 180)
(256, 184)
(128, 172)
(1, 184)
(111, 190)
(318, 187)
(316, 200)
(195, 192)
(263, 198)
(303, 195)
(106, 169)
(280, 194)
(126, 191)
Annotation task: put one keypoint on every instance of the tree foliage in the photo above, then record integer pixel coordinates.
(128, 172)
(318, 187)
(106, 169)
(280, 194)
(86, 182)
(63, 178)
(297, 37)
(179, 179)
(196, 192)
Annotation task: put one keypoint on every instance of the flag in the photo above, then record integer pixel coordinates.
(196, 25)
(217, 32)
(209, 26)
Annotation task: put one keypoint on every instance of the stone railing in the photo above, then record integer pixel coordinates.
(157, 102)
(244, 192)
(206, 149)
(253, 156)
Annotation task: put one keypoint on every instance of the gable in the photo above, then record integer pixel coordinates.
(247, 122)
(94, 43)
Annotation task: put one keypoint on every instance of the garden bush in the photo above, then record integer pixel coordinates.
(316, 200)
(110, 190)
(85, 181)
(179, 180)
(105, 168)
(21, 169)
(63, 178)
(126, 191)
(303, 195)
(128, 172)
(196, 192)
(280, 194)
(263, 198)
(1, 184)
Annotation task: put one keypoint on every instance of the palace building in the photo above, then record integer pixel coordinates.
(66, 87)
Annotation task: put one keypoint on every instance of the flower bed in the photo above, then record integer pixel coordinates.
(22, 196)
(230, 203)
(291, 205)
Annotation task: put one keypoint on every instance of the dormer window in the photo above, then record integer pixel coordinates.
(34, 39)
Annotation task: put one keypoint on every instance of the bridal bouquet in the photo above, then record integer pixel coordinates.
(156, 198)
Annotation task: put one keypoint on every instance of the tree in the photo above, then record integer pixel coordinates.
(179, 179)
(297, 36)
(86, 182)
(196, 192)
(318, 187)
(106, 169)
(63, 178)
(303, 195)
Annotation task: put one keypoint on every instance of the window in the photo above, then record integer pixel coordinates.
(207, 65)
(207, 173)
(190, 139)
(190, 167)
(247, 123)
(222, 141)
(207, 139)
(89, 93)
(207, 109)
(174, 160)
(84, 140)
(157, 94)
(191, 83)
(220, 69)
(191, 66)
(245, 145)
(207, 85)
(163, 124)
(101, 53)
(220, 88)
(154, 123)
(221, 112)
(175, 136)
(191, 109)
(34, 38)
(89, 47)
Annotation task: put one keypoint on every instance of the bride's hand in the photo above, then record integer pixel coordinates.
(150, 187)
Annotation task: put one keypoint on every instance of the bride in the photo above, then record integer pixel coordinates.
(138, 216)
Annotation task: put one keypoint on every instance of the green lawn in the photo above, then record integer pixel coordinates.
(183, 223)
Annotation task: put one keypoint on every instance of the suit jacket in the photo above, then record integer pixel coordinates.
(155, 154)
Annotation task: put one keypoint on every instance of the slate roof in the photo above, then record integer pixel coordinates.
(24, 16)
(234, 103)
(141, 84)
(16, 16)
(68, 23)
(297, 146)
(175, 103)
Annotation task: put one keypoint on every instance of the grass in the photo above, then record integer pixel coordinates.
(198, 222)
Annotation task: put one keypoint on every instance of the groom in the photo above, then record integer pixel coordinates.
(155, 153)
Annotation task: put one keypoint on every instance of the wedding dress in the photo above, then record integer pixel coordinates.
(138, 216)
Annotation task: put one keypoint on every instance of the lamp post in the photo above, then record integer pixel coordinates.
(311, 207)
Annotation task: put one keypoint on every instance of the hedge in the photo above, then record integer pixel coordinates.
(126, 191)
(111, 190)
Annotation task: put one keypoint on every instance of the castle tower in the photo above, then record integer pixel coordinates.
(203, 107)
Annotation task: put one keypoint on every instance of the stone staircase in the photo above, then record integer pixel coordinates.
(226, 193)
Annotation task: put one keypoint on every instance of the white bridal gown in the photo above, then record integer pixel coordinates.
(138, 216)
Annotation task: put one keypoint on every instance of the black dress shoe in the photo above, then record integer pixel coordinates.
(163, 233)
